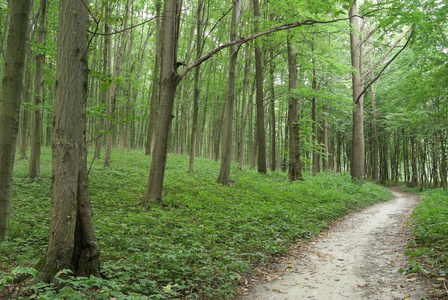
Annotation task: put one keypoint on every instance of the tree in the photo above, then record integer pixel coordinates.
(224, 171)
(36, 138)
(12, 85)
(72, 243)
(357, 167)
(294, 169)
(261, 136)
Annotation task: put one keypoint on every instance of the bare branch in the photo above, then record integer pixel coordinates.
(388, 63)
(385, 55)
(247, 39)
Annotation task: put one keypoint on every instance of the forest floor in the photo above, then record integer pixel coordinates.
(357, 258)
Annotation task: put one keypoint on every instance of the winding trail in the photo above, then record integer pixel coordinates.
(358, 258)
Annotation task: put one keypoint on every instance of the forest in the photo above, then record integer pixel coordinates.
(164, 149)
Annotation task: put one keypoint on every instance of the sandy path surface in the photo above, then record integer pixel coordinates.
(358, 258)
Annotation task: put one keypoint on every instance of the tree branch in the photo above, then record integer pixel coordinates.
(388, 63)
(385, 55)
(247, 39)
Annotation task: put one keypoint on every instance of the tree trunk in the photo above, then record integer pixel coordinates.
(443, 175)
(414, 148)
(315, 160)
(72, 243)
(153, 111)
(26, 100)
(104, 83)
(244, 110)
(169, 80)
(12, 85)
(325, 138)
(294, 169)
(261, 136)
(357, 164)
(273, 135)
(114, 88)
(226, 147)
(39, 86)
(197, 72)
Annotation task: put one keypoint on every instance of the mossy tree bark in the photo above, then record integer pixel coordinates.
(12, 86)
(72, 243)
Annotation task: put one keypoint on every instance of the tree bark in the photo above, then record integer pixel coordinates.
(153, 111)
(26, 100)
(72, 244)
(39, 86)
(104, 95)
(375, 133)
(226, 147)
(169, 80)
(261, 136)
(243, 106)
(197, 72)
(357, 165)
(315, 160)
(12, 85)
(114, 88)
(294, 169)
(273, 135)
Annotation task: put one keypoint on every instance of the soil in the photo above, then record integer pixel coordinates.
(357, 258)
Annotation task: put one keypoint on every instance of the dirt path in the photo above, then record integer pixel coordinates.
(358, 258)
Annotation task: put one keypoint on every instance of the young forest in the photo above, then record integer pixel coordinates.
(171, 149)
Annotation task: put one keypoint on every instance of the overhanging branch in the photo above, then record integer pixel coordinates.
(388, 63)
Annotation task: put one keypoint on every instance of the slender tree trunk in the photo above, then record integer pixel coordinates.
(325, 138)
(261, 136)
(294, 169)
(72, 243)
(443, 175)
(315, 161)
(243, 106)
(273, 135)
(414, 178)
(153, 111)
(226, 152)
(26, 100)
(169, 80)
(12, 85)
(104, 83)
(39, 86)
(375, 133)
(357, 164)
(113, 96)
(197, 72)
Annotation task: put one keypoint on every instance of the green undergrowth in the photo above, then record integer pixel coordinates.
(430, 229)
(196, 247)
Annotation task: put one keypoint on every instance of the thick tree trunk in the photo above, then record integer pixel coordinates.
(39, 86)
(226, 147)
(357, 163)
(72, 243)
(169, 80)
(197, 72)
(294, 169)
(12, 85)
(261, 136)
(153, 111)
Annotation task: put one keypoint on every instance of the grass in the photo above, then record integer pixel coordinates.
(197, 247)
(430, 228)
